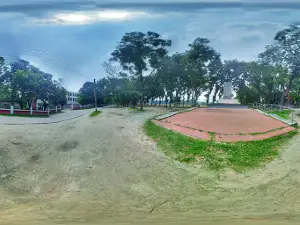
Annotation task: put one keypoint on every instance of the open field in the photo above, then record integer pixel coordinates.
(106, 171)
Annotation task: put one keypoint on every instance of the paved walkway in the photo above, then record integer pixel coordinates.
(66, 115)
(228, 125)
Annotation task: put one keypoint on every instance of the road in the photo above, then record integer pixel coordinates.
(105, 170)
(59, 117)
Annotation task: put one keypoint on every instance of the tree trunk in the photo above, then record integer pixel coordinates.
(21, 104)
(166, 101)
(188, 96)
(142, 102)
(208, 95)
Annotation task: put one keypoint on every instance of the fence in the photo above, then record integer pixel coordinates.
(272, 107)
(267, 107)
(31, 112)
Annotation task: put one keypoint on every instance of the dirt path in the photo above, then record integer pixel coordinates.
(105, 169)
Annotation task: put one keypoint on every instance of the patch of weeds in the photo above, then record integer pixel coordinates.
(216, 155)
(188, 159)
(259, 133)
(256, 133)
(212, 135)
(95, 113)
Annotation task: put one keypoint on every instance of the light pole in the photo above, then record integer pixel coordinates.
(95, 94)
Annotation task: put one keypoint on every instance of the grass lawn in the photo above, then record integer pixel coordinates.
(238, 156)
(16, 115)
(282, 113)
(95, 113)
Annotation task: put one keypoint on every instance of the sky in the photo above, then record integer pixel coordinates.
(72, 38)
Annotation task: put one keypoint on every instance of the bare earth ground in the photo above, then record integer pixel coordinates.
(104, 170)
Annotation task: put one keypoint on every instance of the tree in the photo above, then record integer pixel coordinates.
(4, 88)
(2, 66)
(285, 52)
(24, 85)
(4, 93)
(197, 57)
(216, 77)
(138, 53)
(58, 95)
(168, 74)
(86, 94)
(259, 82)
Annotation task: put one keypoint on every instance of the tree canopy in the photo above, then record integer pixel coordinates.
(141, 71)
(138, 53)
(24, 84)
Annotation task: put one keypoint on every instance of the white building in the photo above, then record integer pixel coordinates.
(72, 100)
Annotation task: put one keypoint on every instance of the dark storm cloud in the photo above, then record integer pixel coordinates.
(51, 36)
(37, 8)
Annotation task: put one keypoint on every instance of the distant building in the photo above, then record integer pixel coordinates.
(72, 100)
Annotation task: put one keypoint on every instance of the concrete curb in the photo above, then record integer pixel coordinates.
(40, 123)
(173, 113)
(50, 122)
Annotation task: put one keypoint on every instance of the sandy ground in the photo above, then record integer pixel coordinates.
(104, 170)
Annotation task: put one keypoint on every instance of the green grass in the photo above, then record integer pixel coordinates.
(282, 113)
(238, 156)
(95, 113)
(33, 116)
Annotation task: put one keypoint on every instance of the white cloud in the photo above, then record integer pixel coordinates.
(87, 17)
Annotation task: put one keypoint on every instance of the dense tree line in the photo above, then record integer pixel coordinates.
(141, 71)
(23, 83)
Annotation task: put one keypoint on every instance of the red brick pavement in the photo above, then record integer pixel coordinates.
(230, 125)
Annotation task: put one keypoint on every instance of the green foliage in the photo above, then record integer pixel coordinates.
(285, 53)
(138, 52)
(285, 114)
(24, 83)
(260, 83)
(86, 94)
(140, 71)
(4, 93)
(238, 156)
(2, 65)
(95, 113)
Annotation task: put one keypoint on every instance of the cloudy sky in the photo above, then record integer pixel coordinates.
(71, 38)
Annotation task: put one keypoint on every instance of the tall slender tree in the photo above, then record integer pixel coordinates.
(140, 53)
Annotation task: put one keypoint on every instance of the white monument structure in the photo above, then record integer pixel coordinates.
(227, 95)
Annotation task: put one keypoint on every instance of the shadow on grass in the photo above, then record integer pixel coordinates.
(238, 156)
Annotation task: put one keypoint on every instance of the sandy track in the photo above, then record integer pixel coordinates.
(105, 169)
